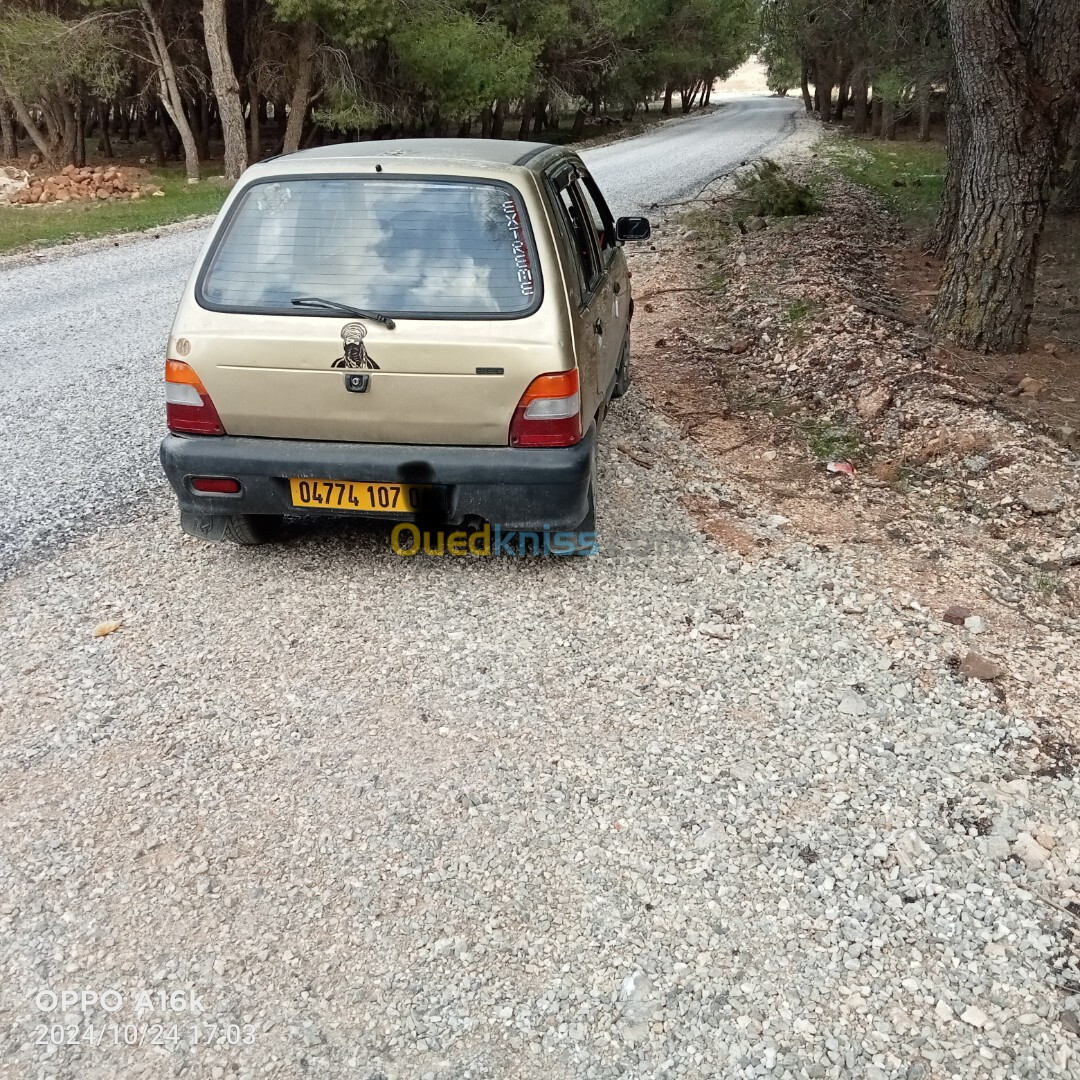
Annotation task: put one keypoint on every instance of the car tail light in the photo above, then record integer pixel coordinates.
(218, 485)
(188, 408)
(549, 412)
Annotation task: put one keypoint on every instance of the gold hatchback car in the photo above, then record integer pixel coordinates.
(425, 330)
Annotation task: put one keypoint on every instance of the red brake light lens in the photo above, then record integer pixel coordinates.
(188, 408)
(218, 485)
(549, 412)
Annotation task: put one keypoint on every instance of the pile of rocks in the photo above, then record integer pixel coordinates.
(101, 183)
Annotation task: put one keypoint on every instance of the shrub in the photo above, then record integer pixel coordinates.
(763, 191)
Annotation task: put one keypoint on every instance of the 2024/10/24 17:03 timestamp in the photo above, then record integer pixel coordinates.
(167, 1035)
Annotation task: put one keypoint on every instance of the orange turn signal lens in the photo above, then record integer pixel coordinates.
(176, 371)
(561, 384)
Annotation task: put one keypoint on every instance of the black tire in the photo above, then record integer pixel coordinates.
(588, 525)
(622, 375)
(250, 529)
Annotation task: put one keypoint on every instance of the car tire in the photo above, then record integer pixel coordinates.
(622, 374)
(250, 529)
(588, 525)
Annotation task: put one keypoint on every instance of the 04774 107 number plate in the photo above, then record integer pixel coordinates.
(357, 496)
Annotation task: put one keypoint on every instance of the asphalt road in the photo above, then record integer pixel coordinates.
(677, 160)
(81, 338)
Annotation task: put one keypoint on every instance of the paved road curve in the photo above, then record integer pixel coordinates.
(81, 339)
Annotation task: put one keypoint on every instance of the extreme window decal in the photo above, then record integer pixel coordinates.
(520, 249)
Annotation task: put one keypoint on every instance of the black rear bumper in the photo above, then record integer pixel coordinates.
(519, 489)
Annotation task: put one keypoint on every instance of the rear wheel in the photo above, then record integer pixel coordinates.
(622, 375)
(588, 543)
(249, 529)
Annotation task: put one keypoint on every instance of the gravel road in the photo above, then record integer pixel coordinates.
(670, 814)
(81, 338)
(667, 813)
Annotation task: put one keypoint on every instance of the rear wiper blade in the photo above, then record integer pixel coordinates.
(345, 309)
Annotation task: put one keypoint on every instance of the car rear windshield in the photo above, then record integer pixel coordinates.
(436, 248)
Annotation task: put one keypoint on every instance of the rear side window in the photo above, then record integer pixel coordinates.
(434, 248)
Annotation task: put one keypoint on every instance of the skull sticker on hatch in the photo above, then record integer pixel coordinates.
(356, 355)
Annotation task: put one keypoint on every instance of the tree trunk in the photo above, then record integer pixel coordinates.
(825, 105)
(924, 112)
(301, 91)
(105, 142)
(170, 137)
(859, 108)
(168, 89)
(526, 119)
(876, 114)
(9, 147)
(226, 88)
(1016, 80)
(539, 115)
(843, 92)
(485, 122)
(200, 126)
(498, 121)
(808, 101)
(841, 103)
(1069, 192)
(957, 139)
(78, 153)
(465, 129)
(669, 91)
(153, 136)
(254, 123)
(888, 120)
(579, 123)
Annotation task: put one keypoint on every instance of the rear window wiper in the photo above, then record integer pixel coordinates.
(345, 309)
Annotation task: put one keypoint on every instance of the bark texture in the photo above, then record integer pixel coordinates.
(226, 87)
(1069, 194)
(860, 106)
(957, 138)
(1018, 67)
(301, 90)
(8, 146)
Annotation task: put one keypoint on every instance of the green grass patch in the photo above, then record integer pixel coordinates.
(798, 310)
(830, 439)
(23, 227)
(1045, 584)
(909, 176)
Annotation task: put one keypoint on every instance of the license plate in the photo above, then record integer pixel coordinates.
(357, 496)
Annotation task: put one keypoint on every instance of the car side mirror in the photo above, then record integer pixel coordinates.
(633, 228)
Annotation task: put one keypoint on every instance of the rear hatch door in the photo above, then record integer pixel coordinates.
(451, 261)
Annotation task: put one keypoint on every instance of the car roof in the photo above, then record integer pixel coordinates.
(437, 151)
